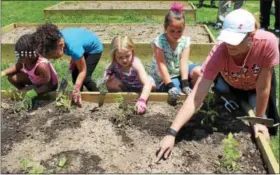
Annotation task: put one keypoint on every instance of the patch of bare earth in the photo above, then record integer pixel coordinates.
(140, 33)
(105, 5)
(95, 140)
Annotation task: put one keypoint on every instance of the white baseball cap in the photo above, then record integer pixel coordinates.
(236, 26)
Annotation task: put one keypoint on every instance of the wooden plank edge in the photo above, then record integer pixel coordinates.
(8, 28)
(87, 24)
(210, 33)
(50, 7)
(193, 6)
(64, 2)
(263, 145)
(96, 96)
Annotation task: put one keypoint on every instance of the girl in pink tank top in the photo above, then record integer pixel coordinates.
(32, 72)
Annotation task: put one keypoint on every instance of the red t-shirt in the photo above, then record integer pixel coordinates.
(264, 53)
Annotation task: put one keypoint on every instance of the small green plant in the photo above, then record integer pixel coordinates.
(210, 100)
(124, 108)
(62, 162)
(63, 101)
(102, 85)
(18, 104)
(119, 100)
(231, 153)
(32, 167)
(209, 114)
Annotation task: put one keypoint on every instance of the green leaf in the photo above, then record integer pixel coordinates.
(25, 163)
(37, 170)
(62, 162)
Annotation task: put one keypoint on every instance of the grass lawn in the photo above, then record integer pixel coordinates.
(32, 12)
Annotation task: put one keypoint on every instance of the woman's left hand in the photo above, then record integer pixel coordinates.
(76, 97)
(141, 106)
(263, 129)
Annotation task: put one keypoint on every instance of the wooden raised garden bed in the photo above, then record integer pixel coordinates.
(202, 39)
(118, 8)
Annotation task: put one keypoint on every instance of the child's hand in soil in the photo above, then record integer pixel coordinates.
(186, 87)
(174, 94)
(166, 146)
(76, 97)
(141, 106)
(263, 129)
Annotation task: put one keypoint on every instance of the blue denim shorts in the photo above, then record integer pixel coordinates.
(177, 80)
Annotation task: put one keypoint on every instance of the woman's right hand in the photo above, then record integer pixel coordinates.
(166, 146)
(262, 129)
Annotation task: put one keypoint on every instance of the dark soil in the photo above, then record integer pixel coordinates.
(98, 140)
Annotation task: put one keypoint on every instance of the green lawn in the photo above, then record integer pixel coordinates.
(32, 12)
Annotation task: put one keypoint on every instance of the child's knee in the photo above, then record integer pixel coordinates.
(114, 84)
(196, 72)
(11, 79)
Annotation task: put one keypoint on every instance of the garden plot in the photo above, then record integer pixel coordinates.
(111, 139)
(142, 34)
(118, 8)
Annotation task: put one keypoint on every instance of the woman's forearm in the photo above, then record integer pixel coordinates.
(262, 101)
(263, 86)
(185, 113)
(192, 103)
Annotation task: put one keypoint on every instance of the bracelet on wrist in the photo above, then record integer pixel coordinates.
(171, 131)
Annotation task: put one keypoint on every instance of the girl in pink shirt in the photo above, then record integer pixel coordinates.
(32, 73)
(244, 58)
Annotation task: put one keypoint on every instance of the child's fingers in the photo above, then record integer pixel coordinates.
(80, 101)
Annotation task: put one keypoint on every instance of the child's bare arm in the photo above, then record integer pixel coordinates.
(184, 66)
(44, 72)
(146, 81)
(82, 67)
(12, 69)
(159, 55)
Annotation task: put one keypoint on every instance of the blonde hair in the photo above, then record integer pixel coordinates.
(122, 42)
